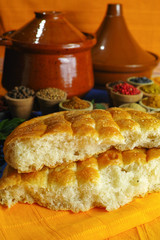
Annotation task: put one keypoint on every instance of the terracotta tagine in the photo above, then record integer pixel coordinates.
(48, 52)
(117, 55)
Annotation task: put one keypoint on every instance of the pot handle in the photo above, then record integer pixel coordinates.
(5, 38)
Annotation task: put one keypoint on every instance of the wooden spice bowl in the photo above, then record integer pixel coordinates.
(119, 99)
(47, 105)
(20, 108)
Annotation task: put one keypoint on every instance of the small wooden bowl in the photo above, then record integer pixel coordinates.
(48, 106)
(119, 99)
(20, 108)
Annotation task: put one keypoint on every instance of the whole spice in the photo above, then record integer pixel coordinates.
(126, 89)
(153, 89)
(51, 94)
(76, 103)
(153, 102)
(141, 80)
(112, 84)
(21, 92)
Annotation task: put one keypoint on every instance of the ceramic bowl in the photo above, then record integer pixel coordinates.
(48, 106)
(149, 109)
(119, 99)
(20, 108)
(62, 108)
(136, 84)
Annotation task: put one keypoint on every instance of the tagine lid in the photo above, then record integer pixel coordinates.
(51, 29)
(116, 49)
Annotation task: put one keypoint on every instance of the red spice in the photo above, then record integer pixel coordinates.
(126, 89)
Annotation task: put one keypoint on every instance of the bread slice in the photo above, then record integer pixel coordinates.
(110, 180)
(76, 135)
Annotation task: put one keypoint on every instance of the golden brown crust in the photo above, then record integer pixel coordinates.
(129, 118)
(76, 135)
(83, 123)
(109, 180)
(82, 171)
(95, 123)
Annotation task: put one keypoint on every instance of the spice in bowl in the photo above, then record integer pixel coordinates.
(75, 103)
(151, 89)
(51, 94)
(139, 81)
(135, 106)
(49, 98)
(112, 84)
(20, 101)
(126, 89)
(125, 93)
(153, 102)
(21, 92)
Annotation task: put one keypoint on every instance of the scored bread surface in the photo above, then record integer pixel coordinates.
(75, 135)
(110, 180)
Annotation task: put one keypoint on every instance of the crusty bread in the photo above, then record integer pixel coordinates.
(70, 136)
(109, 180)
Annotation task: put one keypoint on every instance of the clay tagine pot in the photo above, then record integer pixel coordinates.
(48, 52)
(116, 55)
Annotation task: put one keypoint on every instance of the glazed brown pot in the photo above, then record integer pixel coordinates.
(48, 52)
(116, 55)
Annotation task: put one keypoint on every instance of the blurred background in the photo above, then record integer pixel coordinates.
(142, 16)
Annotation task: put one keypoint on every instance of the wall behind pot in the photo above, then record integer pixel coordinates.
(142, 16)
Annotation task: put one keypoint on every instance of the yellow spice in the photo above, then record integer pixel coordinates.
(153, 102)
(153, 88)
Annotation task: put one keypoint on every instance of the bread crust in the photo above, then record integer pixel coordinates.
(76, 135)
(109, 180)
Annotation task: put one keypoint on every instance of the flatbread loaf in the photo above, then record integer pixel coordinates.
(110, 180)
(76, 135)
